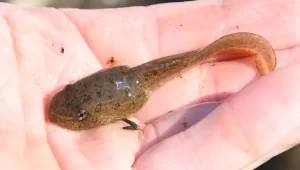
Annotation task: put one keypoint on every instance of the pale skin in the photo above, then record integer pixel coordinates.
(241, 133)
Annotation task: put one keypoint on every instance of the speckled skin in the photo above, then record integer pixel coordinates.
(116, 93)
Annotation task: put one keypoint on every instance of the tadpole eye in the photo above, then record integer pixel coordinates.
(82, 115)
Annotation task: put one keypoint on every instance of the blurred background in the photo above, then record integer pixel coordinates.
(289, 160)
(86, 4)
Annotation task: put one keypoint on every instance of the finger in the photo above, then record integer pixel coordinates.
(11, 117)
(263, 119)
(136, 35)
(174, 122)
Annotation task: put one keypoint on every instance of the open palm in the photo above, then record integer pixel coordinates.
(44, 49)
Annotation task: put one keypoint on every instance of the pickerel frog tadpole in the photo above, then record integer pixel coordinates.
(116, 93)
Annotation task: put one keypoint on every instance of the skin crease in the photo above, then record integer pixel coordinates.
(116, 93)
(254, 124)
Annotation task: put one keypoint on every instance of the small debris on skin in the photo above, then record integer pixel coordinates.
(170, 111)
(184, 124)
(180, 76)
(111, 62)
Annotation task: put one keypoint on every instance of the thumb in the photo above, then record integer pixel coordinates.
(243, 132)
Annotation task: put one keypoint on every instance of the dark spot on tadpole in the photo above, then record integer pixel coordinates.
(62, 50)
(181, 25)
(127, 91)
(155, 72)
(111, 80)
(237, 27)
(85, 86)
(213, 64)
(170, 111)
(87, 98)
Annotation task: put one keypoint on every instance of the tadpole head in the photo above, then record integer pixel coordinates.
(68, 112)
(104, 97)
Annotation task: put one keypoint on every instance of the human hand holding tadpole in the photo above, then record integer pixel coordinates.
(245, 130)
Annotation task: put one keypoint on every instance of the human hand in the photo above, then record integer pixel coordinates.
(245, 130)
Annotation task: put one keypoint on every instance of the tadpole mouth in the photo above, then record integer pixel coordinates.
(57, 114)
(60, 116)
(63, 121)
